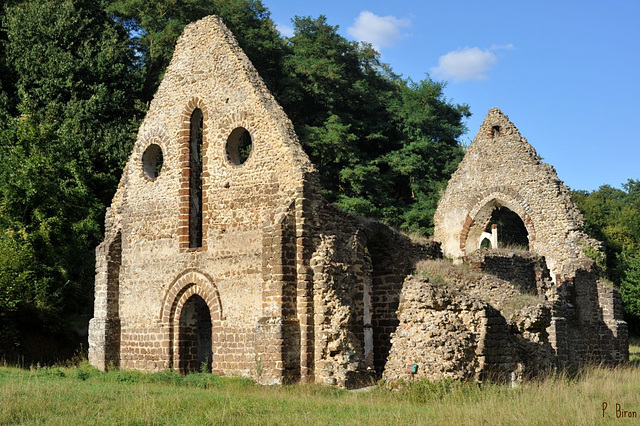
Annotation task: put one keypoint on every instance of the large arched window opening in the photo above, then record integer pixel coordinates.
(195, 179)
(496, 225)
(512, 232)
(195, 341)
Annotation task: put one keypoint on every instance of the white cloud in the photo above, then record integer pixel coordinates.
(380, 31)
(509, 46)
(285, 30)
(470, 63)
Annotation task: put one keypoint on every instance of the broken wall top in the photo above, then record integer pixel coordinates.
(501, 169)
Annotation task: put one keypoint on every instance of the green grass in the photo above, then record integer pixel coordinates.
(634, 350)
(82, 395)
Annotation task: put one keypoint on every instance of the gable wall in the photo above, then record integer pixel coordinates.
(506, 168)
(210, 72)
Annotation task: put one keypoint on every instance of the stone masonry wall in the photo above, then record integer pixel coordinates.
(524, 270)
(158, 270)
(444, 333)
(501, 170)
(349, 253)
(470, 326)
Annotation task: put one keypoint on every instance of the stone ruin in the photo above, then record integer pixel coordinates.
(502, 185)
(220, 254)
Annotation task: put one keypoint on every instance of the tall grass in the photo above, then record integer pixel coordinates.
(82, 395)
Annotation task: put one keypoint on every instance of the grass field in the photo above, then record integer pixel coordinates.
(82, 395)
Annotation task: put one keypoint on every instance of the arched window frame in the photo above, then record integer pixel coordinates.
(187, 239)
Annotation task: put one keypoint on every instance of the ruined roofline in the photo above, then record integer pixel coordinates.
(214, 27)
(500, 167)
(496, 125)
(207, 26)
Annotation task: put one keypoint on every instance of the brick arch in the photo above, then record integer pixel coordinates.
(481, 207)
(152, 136)
(184, 134)
(189, 283)
(185, 285)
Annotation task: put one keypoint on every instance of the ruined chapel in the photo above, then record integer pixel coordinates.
(221, 254)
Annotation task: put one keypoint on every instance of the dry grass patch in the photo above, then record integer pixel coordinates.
(444, 271)
(84, 396)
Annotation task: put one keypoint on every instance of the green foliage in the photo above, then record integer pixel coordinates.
(65, 139)
(385, 147)
(612, 217)
(630, 285)
(75, 76)
(155, 26)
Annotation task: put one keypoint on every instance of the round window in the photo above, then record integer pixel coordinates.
(239, 146)
(152, 161)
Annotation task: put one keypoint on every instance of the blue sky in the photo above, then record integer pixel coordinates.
(567, 73)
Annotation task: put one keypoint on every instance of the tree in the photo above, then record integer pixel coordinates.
(611, 216)
(385, 147)
(155, 26)
(61, 153)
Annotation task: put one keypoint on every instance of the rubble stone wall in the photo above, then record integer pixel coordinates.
(208, 72)
(349, 253)
(445, 332)
(501, 169)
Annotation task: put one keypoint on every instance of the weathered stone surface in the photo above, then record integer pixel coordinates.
(225, 257)
(470, 326)
(502, 170)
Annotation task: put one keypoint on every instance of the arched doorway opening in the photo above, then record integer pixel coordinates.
(511, 230)
(195, 341)
(497, 224)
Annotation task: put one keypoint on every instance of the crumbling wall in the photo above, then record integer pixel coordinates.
(470, 326)
(587, 326)
(502, 170)
(445, 334)
(351, 252)
(526, 271)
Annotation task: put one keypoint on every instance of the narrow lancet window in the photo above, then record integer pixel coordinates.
(195, 179)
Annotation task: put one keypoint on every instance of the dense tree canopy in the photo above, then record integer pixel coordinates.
(70, 117)
(155, 25)
(384, 146)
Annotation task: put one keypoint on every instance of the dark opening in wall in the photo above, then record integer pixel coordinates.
(195, 346)
(495, 131)
(112, 326)
(152, 160)
(239, 146)
(511, 229)
(195, 179)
